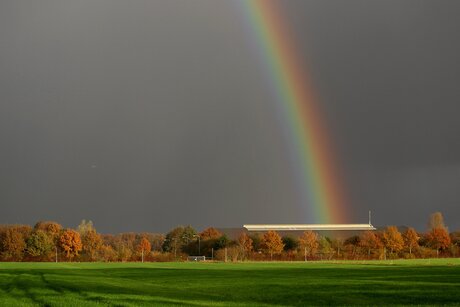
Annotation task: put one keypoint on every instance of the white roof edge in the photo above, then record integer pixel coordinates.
(263, 227)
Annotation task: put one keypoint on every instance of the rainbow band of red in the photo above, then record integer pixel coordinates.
(314, 159)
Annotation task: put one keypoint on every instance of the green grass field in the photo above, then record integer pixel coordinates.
(402, 282)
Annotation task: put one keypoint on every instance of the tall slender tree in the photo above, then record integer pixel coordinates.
(245, 244)
(144, 247)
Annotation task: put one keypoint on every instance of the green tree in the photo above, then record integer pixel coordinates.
(325, 247)
(290, 243)
(221, 242)
(178, 238)
(39, 244)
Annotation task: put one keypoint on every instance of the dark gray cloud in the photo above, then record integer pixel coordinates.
(148, 114)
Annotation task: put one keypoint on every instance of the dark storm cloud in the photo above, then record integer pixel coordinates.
(145, 115)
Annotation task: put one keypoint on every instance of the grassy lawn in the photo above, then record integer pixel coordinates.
(402, 282)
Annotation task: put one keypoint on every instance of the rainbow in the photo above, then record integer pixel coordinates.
(307, 136)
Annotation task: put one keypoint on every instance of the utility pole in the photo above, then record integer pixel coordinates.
(175, 249)
(199, 243)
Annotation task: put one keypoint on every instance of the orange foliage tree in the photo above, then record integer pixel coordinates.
(309, 242)
(143, 247)
(92, 243)
(411, 239)
(393, 239)
(107, 253)
(369, 240)
(210, 233)
(439, 239)
(70, 243)
(245, 244)
(51, 228)
(14, 244)
(272, 243)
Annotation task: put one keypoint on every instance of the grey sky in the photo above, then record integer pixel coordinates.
(149, 114)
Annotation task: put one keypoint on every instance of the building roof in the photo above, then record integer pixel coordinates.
(313, 227)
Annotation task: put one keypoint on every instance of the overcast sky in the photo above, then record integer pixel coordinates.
(142, 115)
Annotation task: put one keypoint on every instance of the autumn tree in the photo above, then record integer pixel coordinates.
(351, 245)
(436, 221)
(156, 239)
(210, 233)
(143, 247)
(90, 239)
(309, 242)
(53, 229)
(107, 253)
(455, 238)
(39, 244)
(70, 243)
(13, 244)
(438, 238)
(272, 243)
(91, 243)
(370, 241)
(245, 244)
(455, 241)
(393, 239)
(411, 239)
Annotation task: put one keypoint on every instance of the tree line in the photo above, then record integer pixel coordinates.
(49, 241)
